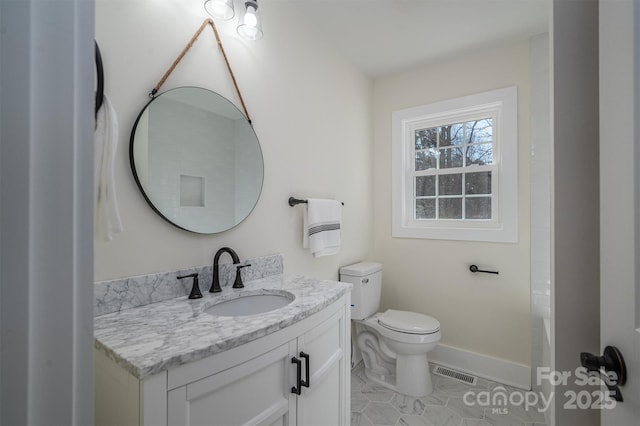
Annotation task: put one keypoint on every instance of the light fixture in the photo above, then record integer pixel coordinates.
(250, 26)
(222, 9)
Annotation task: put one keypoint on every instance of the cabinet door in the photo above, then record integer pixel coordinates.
(256, 392)
(326, 400)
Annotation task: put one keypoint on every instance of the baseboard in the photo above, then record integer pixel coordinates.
(496, 369)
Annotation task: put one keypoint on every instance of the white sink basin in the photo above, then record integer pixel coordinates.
(250, 304)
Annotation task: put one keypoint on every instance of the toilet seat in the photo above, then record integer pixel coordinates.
(408, 322)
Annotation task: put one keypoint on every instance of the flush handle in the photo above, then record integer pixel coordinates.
(610, 365)
(365, 280)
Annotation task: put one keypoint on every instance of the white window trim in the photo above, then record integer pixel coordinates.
(503, 227)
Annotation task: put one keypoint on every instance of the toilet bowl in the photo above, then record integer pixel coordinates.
(394, 343)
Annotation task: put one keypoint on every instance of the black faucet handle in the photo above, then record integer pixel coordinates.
(195, 289)
(238, 282)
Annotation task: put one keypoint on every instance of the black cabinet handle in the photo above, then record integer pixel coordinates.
(305, 382)
(297, 389)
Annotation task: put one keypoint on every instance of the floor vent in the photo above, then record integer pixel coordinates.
(455, 375)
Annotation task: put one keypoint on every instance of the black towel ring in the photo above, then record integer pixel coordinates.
(100, 80)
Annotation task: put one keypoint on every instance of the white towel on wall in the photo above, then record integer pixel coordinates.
(321, 230)
(107, 216)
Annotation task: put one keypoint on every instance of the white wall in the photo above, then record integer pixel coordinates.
(575, 313)
(619, 79)
(486, 314)
(310, 110)
(540, 197)
(46, 227)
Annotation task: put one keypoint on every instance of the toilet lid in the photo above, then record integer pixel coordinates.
(409, 322)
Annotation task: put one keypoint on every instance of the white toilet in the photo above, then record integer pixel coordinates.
(394, 344)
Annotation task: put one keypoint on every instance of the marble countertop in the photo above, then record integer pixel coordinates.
(152, 338)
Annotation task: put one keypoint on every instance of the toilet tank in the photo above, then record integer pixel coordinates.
(366, 278)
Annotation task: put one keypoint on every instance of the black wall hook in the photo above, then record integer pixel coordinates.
(99, 79)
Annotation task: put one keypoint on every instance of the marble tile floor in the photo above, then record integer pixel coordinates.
(372, 404)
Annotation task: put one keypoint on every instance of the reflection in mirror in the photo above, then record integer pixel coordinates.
(197, 160)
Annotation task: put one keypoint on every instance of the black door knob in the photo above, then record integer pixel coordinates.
(611, 363)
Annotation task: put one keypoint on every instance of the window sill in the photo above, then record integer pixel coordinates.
(499, 234)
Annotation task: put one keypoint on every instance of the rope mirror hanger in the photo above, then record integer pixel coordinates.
(166, 75)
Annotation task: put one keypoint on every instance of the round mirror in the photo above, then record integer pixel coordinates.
(197, 160)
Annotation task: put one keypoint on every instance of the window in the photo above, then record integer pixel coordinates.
(455, 169)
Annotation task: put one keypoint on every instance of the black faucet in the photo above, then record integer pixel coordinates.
(215, 283)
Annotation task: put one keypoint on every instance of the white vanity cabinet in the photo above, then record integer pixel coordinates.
(254, 392)
(251, 384)
(325, 400)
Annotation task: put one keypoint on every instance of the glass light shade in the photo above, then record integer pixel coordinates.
(222, 9)
(250, 26)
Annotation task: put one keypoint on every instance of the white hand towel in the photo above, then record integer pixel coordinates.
(321, 230)
(107, 216)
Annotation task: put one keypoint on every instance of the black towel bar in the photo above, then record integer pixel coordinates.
(295, 201)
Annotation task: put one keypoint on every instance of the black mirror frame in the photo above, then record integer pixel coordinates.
(144, 194)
